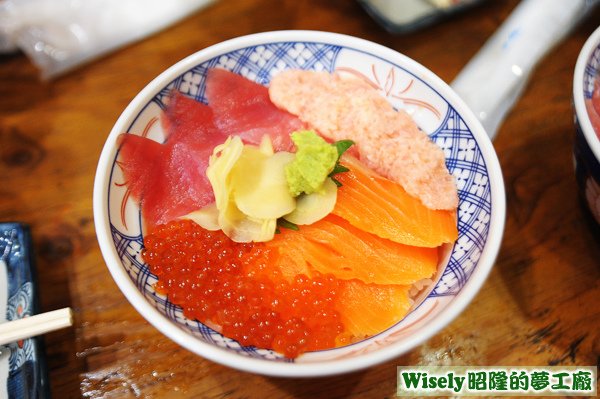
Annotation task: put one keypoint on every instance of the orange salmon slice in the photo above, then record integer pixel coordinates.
(382, 207)
(334, 246)
(368, 309)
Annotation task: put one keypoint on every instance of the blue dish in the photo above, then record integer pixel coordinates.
(23, 372)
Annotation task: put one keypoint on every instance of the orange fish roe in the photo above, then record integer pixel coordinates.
(238, 288)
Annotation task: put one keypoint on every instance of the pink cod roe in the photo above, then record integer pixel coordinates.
(389, 141)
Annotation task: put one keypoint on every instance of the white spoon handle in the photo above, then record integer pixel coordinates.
(494, 79)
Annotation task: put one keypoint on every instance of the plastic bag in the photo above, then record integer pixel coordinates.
(59, 35)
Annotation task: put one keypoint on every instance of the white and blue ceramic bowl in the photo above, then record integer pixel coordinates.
(406, 84)
(587, 144)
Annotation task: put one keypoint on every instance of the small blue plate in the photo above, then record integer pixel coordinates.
(23, 372)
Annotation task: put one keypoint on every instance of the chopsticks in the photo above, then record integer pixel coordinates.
(38, 324)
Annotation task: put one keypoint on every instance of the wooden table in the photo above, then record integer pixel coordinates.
(538, 307)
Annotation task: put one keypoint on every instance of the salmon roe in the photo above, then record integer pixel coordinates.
(237, 288)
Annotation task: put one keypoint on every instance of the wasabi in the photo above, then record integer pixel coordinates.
(314, 161)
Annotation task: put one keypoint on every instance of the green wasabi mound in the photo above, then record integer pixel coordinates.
(314, 161)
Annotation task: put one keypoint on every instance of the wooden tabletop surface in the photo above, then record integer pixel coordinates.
(539, 306)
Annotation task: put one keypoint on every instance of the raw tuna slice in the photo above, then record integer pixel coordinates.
(169, 180)
(594, 117)
(178, 185)
(188, 121)
(593, 107)
(137, 157)
(242, 107)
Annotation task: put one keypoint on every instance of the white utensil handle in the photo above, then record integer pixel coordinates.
(494, 79)
(38, 324)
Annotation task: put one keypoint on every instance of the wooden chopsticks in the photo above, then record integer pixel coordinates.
(38, 324)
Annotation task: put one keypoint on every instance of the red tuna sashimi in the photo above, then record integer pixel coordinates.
(593, 107)
(169, 180)
(178, 185)
(188, 121)
(242, 107)
(593, 116)
(137, 157)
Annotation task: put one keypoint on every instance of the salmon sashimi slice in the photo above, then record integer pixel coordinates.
(368, 309)
(382, 207)
(289, 262)
(243, 107)
(365, 309)
(334, 246)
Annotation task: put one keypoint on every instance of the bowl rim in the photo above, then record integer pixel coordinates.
(293, 369)
(592, 140)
